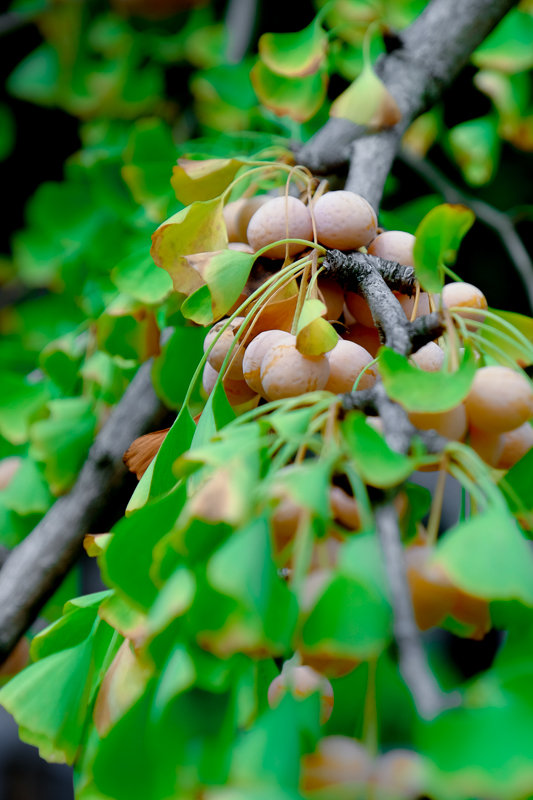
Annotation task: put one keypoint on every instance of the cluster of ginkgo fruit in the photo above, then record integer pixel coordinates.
(266, 361)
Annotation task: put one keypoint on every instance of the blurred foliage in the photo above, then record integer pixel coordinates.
(151, 82)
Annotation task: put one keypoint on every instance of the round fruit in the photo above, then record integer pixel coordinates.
(332, 295)
(398, 774)
(488, 446)
(231, 212)
(346, 362)
(432, 592)
(430, 357)
(285, 372)
(473, 612)
(452, 424)
(237, 392)
(222, 345)
(337, 759)
(464, 295)
(408, 304)
(394, 246)
(284, 523)
(344, 508)
(359, 308)
(500, 399)
(366, 337)
(344, 220)
(269, 224)
(515, 444)
(302, 682)
(247, 211)
(254, 354)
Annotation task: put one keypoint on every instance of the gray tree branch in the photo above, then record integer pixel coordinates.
(434, 48)
(35, 568)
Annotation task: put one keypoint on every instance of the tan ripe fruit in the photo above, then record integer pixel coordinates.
(237, 392)
(302, 682)
(359, 308)
(398, 774)
(408, 304)
(432, 592)
(269, 224)
(247, 211)
(346, 362)
(231, 213)
(254, 354)
(366, 337)
(466, 296)
(452, 424)
(221, 347)
(332, 295)
(515, 444)
(500, 399)
(285, 372)
(394, 246)
(430, 357)
(284, 522)
(344, 508)
(344, 220)
(488, 446)
(337, 760)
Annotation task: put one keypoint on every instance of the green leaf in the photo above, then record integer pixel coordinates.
(377, 464)
(298, 98)
(203, 180)
(516, 486)
(148, 155)
(27, 492)
(62, 441)
(36, 78)
(20, 403)
(138, 276)
(225, 274)
(125, 561)
(437, 240)
(198, 307)
(509, 47)
(418, 390)
(367, 101)
(511, 343)
(176, 442)
(61, 360)
(196, 229)
(475, 147)
(175, 366)
(480, 752)
(295, 55)
(314, 335)
(351, 618)
(487, 556)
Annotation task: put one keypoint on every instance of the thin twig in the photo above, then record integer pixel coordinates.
(497, 221)
(240, 23)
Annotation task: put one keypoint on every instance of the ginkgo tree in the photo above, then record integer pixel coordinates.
(278, 564)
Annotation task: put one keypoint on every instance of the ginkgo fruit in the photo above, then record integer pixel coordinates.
(332, 296)
(368, 338)
(280, 218)
(451, 424)
(500, 399)
(347, 360)
(408, 304)
(515, 444)
(359, 309)
(237, 392)
(285, 372)
(337, 760)
(301, 682)
(222, 345)
(488, 445)
(430, 357)
(344, 508)
(344, 220)
(254, 354)
(464, 295)
(394, 246)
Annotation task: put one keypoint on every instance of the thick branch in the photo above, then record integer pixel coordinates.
(34, 569)
(434, 49)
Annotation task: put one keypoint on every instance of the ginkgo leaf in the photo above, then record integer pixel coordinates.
(299, 98)
(295, 54)
(367, 101)
(203, 180)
